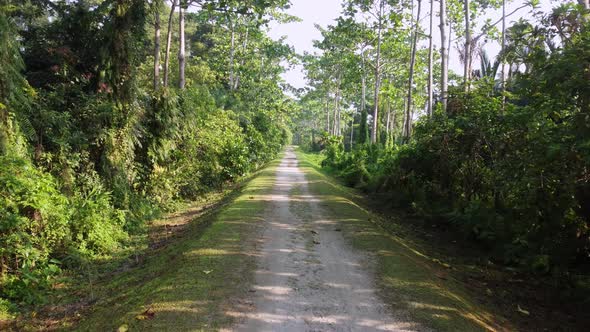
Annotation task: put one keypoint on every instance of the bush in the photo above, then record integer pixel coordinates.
(34, 219)
(510, 181)
(96, 226)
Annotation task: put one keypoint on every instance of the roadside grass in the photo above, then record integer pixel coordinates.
(411, 281)
(185, 280)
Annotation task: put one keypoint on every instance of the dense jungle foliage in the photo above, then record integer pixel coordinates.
(95, 141)
(502, 159)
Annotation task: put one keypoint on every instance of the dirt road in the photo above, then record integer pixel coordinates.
(292, 251)
(308, 278)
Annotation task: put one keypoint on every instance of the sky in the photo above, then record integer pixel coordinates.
(323, 12)
(301, 34)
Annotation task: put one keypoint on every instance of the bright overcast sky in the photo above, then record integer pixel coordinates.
(301, 34)
(323, 12)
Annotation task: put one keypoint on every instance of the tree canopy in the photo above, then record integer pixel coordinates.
(501, 155)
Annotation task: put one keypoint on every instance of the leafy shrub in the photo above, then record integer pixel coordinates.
(334, 150)
(509, 180)
(34, 219)
(96, 226)
(354, 169)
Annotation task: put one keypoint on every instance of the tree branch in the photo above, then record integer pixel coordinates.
(489, 27)
(498, 21)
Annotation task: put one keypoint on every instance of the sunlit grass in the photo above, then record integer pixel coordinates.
(210, 252)
(189, 283)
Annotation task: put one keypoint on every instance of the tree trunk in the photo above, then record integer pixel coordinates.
(231, 53)
(363, 126)
(444, 73)
(404, 118)
(430, 51)
(502, 72)
(334, 117)
(181, 51)
(388, 118)
(586, 5)
(244, 48)
(467, 57)
(335, 114)
(363, 92)
(168, 43)
(377, 76)
(157, 45)
(352, 132)
(338, 129)
(338, 115)
(313, 137)
(407, 129)
(328, 128)
(393, 124)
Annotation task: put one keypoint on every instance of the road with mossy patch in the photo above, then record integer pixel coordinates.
(293, 252)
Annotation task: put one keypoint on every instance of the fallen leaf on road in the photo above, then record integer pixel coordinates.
(148, 314)
(522, 311)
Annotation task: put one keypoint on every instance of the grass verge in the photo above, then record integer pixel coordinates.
(188, 285)
(411, 281)
(185, 280)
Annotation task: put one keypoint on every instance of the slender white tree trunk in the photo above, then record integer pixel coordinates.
(340, 128)
(377, 76)
(363, 81)
(334, 115)
(328, 127)
(363, 92)
(393, 122)
(181, 51)
(244, 48)
(502, 63)
(467, 58)
(388, 119)
(338, 116)
(409, 104)
(586, 5)
(157, 30)
(444, 73)
(404, 118)
(352, 132)
(232, 50)
(363, 133)
(430, 66)
(168, 43)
